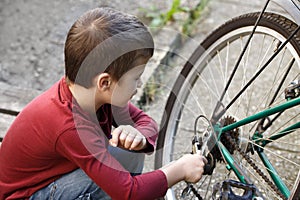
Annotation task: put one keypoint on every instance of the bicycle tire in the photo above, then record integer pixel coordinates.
(178, 116)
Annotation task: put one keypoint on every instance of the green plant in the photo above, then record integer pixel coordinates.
(151, 90)
(194, 16)
(163, 18)
(159, 19)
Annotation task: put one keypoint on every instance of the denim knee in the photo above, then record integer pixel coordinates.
(96, 194)
(75, 185)
(131, 161)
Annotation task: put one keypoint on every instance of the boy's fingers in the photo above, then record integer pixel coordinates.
(114, 141)
(138, 143)
(122, 136)
(129, 140)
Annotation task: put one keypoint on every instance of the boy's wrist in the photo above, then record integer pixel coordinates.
(174, 173)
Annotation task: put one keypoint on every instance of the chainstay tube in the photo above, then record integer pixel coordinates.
(260, 115)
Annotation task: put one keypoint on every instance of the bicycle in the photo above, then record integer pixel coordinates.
(243, 84)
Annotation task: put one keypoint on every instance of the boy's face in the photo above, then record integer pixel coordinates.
(126, 87)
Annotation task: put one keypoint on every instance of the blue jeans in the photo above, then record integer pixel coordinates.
(77, 185)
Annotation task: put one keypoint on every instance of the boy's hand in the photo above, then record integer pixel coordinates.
(128, 137)
(189, 167)
(193, 166)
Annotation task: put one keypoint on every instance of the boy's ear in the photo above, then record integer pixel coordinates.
(104, 81)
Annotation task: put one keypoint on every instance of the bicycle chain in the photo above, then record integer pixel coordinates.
(196, 193)
(254, 166)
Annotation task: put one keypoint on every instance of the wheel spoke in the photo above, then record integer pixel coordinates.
(231, 81)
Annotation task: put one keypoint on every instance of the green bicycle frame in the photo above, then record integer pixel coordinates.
(231, 163)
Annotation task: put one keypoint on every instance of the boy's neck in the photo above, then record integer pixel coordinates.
(85, 97)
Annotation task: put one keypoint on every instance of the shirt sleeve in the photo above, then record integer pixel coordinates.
(131, 115)
(87, 149)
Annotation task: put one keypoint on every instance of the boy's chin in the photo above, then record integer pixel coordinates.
(133, 94)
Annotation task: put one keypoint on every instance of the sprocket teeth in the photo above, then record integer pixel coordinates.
(234, 134)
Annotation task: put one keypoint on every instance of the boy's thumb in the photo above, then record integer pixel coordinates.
(115, 137)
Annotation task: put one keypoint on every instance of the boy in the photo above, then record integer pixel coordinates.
(61, 145)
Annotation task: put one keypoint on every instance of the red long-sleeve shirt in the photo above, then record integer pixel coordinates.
(53, 136)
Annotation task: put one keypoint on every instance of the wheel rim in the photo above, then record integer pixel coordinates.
(208, 87)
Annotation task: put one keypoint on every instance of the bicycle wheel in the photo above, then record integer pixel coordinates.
(201, 83)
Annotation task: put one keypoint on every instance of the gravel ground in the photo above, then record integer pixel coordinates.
(33, 33)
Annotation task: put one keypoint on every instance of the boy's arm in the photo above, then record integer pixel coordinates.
(139, 120)
(86, 147)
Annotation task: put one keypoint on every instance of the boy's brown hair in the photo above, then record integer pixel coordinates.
(104, 40)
